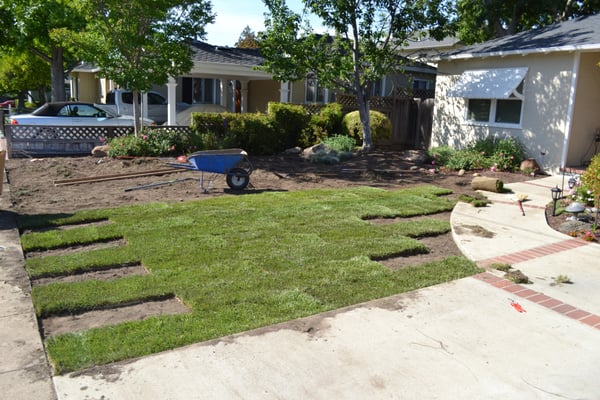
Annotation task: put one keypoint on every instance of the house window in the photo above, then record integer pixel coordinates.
(376, 87)
(204, 91)
(498, 111)
(479, 110)
(316, 93)
(493, 96)
(421, 84)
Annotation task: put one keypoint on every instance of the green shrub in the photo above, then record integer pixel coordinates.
(441, 155)
(154, 142)
(252, 132)
(381, 126)
(591, 179)
(506, 154)
(498, 154)
(327, 122)
(128, 145)
(289, 120)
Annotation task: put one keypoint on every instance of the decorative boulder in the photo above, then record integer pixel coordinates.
(100, 151)
(530, 165)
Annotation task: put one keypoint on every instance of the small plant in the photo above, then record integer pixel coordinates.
(501, 267)
(475, 201)
(562, 279)
(440, 155)
(340, 143)
(513, 275)
(589, 236)
(517, 276)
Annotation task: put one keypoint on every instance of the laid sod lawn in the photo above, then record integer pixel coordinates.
(238, 262)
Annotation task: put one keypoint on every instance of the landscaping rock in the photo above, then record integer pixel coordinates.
(530, 165)
(100, 151)
(575, 226)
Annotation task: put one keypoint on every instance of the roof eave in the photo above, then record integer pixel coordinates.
(217, 70)
(547, 50)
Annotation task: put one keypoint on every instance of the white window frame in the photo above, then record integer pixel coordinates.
(517, 95)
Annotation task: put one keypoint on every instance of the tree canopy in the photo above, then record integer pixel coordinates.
(42, 27)
(247, 40)
(362, 46)
(140, 43)
(481, 20)
(21, 72)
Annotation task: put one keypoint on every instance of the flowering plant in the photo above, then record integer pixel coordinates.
(589, 236)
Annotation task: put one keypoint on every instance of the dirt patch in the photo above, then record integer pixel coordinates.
(79, 248)
(53, 326)
(101, 275)
(438, 248)
(474, 230)
(32, 191)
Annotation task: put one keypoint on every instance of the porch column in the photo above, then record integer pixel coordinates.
(244, 96)
(284, 92)
(172, 101)
(145, 104)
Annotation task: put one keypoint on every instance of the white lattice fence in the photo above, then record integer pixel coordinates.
(33, 140)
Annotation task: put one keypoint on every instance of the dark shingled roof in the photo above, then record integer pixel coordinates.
(578, 34)
(204, 52)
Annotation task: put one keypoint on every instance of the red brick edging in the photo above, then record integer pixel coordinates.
(541, 299)
(536, 252)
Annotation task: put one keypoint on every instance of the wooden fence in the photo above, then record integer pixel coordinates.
(411, 113)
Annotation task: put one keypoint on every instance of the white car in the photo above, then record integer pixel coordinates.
(70, 113)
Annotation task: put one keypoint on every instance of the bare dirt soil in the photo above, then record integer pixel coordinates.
(37, 186)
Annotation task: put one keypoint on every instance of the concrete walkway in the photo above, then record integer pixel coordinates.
(481, 337)
(24, 371)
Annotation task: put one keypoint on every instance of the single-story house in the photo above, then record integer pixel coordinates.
(228, 77)
(540, 86)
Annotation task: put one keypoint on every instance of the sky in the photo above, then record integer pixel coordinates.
(234, 15)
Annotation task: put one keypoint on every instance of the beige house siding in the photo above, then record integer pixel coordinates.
(586, 115)
(87, 87)
(545, 114)
(298, 92)
(260, 93)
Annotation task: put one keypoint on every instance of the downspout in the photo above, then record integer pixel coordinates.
(569, 122)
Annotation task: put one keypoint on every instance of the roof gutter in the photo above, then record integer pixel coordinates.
(546, 50)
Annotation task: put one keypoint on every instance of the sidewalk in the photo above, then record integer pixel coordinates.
(24, 371)
(529, 245)
(458, 340)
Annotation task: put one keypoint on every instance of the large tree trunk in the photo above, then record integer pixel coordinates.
(57, 75)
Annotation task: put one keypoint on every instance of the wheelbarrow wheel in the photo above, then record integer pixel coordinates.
(238, 179)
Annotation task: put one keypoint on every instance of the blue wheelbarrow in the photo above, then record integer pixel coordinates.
(234, 163)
